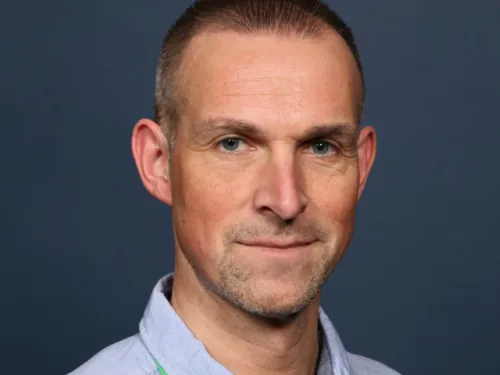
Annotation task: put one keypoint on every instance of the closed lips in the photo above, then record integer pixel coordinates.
(277, 244)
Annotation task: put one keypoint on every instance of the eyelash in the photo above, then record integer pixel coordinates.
(311, 142)
(219, 143)
(331, 144)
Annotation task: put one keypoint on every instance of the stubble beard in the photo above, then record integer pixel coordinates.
(238, 283)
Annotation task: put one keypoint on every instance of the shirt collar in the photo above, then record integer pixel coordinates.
(173, 345)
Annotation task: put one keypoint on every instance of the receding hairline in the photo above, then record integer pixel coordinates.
(287, 18)
(182, 69)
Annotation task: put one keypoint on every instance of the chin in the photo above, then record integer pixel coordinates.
(271, 300)
(272, 309)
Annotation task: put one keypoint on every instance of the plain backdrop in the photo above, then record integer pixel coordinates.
(82, 243)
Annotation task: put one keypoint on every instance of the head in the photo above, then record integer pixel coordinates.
(258, 148)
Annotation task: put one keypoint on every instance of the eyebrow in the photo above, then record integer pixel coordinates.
(345, 133)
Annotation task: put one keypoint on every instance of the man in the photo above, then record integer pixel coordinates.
(257, 147)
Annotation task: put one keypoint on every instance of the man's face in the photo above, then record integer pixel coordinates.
(264, 175)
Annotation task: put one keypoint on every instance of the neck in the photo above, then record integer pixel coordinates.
(243, 343)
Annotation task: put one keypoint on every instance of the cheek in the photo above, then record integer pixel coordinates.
(334, 201)
(335, 195)
(205, 198)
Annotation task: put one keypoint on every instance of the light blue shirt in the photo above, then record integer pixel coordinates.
(164, 336)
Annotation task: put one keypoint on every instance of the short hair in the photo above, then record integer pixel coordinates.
(304, 18)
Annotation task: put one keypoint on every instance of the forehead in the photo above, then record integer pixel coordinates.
(270, 79)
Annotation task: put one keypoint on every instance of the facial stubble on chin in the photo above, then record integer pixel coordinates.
(238, 279)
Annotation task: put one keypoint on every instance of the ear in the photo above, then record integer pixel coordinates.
(367, 148)
(151, 154)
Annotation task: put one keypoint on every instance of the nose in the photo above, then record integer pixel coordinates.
(280, 190)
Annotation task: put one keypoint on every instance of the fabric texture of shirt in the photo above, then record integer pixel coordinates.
(164, 336)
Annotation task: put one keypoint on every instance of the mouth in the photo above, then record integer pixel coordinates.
(274, 244)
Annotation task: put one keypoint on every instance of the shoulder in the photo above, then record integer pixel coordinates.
(366, 366)
(125, 357)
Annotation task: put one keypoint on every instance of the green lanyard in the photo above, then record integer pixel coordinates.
(161, 369)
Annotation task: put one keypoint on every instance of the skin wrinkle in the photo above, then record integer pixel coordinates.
(266, 80)
(191, 56)
(213, 131)
(256, 311)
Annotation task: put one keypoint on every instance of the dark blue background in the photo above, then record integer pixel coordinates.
(83, 244)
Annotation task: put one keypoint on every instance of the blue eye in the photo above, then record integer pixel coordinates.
(230, 144)
(321, 147)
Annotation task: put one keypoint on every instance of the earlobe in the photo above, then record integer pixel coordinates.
(367, 149)
(150, 151)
